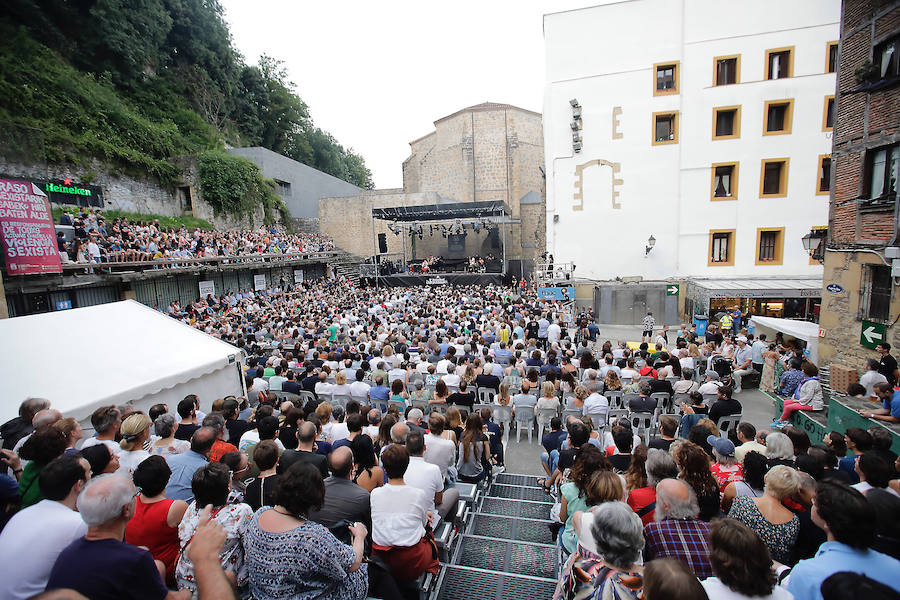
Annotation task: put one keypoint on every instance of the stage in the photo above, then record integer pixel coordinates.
(416, 279)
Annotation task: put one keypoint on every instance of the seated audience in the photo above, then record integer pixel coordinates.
(677, 532)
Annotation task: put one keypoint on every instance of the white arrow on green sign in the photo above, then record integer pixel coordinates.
(672, 290)
(871, 334)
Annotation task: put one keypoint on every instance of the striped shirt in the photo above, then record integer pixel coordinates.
(686, 540)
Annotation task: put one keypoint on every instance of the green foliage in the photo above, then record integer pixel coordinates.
(234, 185)
(164, 221)
(136, 82)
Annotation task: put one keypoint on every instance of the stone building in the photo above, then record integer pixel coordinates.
(487, 152)
(863, 229)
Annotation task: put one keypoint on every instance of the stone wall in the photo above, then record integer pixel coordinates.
(132, 194)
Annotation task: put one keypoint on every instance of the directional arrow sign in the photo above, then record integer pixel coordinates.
(871, 334)
(672, 290)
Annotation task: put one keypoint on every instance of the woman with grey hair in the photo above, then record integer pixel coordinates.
(660, 465)
(767, 516)
(610, 538)
(779, 449)
(166, 444)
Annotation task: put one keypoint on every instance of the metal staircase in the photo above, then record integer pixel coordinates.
(346, 265)
(505, 550)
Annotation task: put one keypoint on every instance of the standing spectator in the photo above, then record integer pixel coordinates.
(44, 445)
(677, 532)
(211, 485)
(473, 451)
(34, 537)
(167, 444)
(18, 427)
(156, 518)
(135, 433)
(871, 377)
(100, 565)
(849, 524)
(887, 366)
(184, 465)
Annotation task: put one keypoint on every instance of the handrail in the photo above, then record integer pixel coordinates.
(187, 263)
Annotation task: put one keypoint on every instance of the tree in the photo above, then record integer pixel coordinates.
(126, 39)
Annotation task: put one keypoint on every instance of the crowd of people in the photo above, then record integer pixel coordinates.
(330, 476)
(122, 240)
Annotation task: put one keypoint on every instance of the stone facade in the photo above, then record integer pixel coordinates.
(859, 231)
(488, 152)
(131, 194)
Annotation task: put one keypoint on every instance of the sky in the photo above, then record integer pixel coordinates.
(377, 74)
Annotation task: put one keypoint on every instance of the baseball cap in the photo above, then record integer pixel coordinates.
(741, 338)
(712, 374)
(721, 445)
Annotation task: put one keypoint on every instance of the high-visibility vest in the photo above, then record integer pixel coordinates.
(727, 321)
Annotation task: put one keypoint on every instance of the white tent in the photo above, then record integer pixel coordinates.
(118, 353)
(803, 330)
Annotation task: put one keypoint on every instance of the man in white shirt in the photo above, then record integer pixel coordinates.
(596, 403)
(439, 451)
(451, 378)
(712, 384)
(34, 537)
(427, 477)
(871, 377)
(554, 331)
(742, 362)
(399, 511)
(337, 430)
(359, 389)
(746, 434)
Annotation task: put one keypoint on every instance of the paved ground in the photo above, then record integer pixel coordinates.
(522, 457)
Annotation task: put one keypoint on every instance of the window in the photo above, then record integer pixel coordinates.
(284, 188)
(780, 63)
(778, 117)
(726, 122)
(886, 57)
(727, 70)
(769, 246)
(665, 78)
(883, 166)
(724, 181)
(773, 178)
(875, 293)
(721, 247)
(828, 114)
(831, 57)
(823, 183)
(665, 128)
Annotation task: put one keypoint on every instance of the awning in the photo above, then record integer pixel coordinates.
(802, 330)
(441, 212)
(761, 288)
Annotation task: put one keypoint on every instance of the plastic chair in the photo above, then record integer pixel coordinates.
(664, 400)
(616, 413)
(486, 395)
(503, 414)
(401, 406)
(340, 400)
(708, 399)
(643, 423)
(727, 423)
(438, 407)
(307, 396)
(599, 420)
(547, 413)
(614, 397)
(628, 397)
(524, 417)
(463, 411)
(571, 412)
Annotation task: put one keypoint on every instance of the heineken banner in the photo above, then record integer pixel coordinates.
(66, 191)
(26, 229)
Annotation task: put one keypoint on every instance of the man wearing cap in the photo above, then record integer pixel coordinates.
(743, 362)
(712, 384)
(676, 532)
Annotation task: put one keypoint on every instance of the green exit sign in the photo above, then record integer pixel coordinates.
(871, 334)
(672, 290)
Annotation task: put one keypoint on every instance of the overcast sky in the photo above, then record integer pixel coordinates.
(378, 74)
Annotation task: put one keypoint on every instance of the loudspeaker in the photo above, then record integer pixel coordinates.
(382, 243)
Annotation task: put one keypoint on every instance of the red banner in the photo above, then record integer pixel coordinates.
(26, 229)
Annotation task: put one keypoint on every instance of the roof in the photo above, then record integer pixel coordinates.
(487, 106)
(799, 329)
(762, 288)
(127, 351)
(441, 212)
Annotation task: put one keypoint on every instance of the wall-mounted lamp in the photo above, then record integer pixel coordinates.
(814, 244)
(651, 241)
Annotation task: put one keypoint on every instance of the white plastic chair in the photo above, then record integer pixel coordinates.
(503, 414)
(545, 413)
(486, 395)
(727, 423)
(524, 418)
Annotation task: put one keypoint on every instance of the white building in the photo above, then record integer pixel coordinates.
(704, 124)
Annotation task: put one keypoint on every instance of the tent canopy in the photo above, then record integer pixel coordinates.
(803, 330)
(115, 353)
(442, 212)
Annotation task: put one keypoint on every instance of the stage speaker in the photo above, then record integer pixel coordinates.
(382, 243)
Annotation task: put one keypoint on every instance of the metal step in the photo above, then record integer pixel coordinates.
(457, 582)
(517, 492)
(507, 556)
(516, 508)
(510, 528)
(515, 479)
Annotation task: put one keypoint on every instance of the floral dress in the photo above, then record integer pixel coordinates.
(176, 447)
(767, 381)
(779, 538)
(234, 519)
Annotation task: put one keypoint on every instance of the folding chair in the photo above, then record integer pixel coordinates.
(463, 411)
(677, 399)
(306, 396)
(524, 418)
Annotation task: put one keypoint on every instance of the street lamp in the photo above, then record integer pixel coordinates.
(651, 241)
(813, 243)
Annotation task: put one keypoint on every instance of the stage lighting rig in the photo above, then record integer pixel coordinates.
(394, 228)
